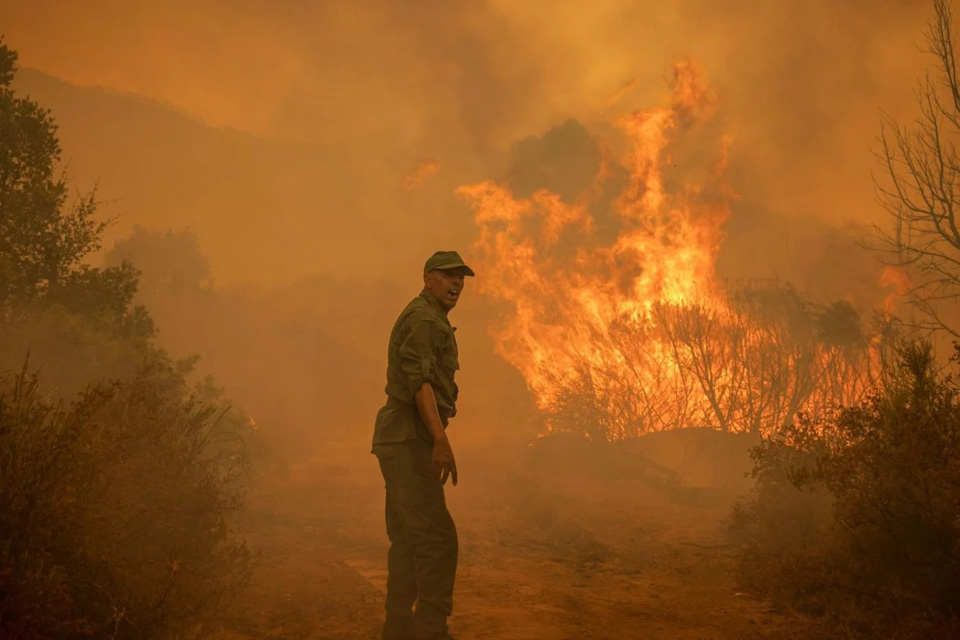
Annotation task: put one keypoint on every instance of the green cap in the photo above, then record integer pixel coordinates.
(447, 260)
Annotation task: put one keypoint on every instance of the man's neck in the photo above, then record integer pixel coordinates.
(432, 298)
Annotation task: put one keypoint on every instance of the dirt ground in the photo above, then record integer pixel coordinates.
(559, 539)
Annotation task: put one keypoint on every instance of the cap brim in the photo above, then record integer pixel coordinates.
(447, 267)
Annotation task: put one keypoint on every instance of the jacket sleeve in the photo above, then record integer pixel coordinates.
(418, 360)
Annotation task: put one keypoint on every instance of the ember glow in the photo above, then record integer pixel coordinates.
(419, 174)
(897, 282)
(631, 330)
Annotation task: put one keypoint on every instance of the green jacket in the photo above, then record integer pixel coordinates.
(422, 348)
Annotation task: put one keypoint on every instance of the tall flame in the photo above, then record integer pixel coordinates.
(615, 313)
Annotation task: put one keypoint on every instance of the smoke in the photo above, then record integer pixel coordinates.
(801, 83)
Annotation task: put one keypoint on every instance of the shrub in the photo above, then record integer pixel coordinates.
(114, 509)
(858, 517)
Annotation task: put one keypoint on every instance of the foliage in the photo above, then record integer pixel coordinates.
(43, 238)
(170, 263)
(113, 509)
(857, 517)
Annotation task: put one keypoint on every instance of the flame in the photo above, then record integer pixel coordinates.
(693, 100)
(898, 282)
(418, 175)
(615, 316)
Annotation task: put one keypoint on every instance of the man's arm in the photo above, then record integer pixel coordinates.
(444, 463)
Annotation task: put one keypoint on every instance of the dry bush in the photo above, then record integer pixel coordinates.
(114, 510)
(69, 351)
(856, 517)
(747, 366)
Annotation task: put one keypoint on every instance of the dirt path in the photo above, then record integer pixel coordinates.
(548, 551)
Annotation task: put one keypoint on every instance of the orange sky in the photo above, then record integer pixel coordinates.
(801, 87)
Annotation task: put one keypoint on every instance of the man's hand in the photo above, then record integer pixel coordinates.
(444, 464)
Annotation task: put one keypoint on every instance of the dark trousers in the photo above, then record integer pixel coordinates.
(422, 561)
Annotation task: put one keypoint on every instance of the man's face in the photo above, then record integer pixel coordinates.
(445, 285)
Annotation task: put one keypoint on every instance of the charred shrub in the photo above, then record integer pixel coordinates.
(858, 517)
(114, 510)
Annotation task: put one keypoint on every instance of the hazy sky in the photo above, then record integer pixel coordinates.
(383, 83)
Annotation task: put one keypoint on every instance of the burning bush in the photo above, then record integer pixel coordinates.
(611, 306)
(857, 517)
(749, 367)
(113, 509)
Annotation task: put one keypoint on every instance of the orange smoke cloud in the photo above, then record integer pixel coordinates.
(618, 96)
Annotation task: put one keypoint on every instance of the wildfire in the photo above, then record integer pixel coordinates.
(898, 283)
(615, 317)
(419, 174)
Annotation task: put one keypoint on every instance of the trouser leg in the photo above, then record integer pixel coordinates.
(401, 578)
(427, 530)
(436, 560)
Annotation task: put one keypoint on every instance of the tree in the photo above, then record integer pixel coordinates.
(922, 193)
(43, 237)
(171, 263)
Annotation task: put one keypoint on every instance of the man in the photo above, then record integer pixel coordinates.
(411, 444)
